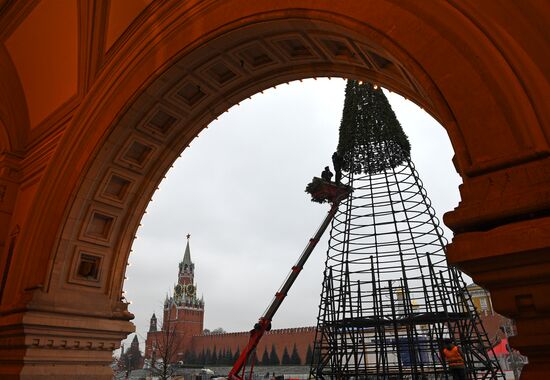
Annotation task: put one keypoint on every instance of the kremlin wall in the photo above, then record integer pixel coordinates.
(281, 339)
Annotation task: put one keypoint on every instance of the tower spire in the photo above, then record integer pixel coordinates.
(187, 254)
(186, 268)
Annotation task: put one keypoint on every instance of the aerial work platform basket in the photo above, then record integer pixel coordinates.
(324, 191)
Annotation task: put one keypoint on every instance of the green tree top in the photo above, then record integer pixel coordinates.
(371, 138)
(295, 356)
(273, 357)
(265, 357)
(285, 360)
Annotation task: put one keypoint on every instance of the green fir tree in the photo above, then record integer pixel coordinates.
(253, 358)
(214, 357)
(190, 357)
(208, 356)
(228, 358)
(273, 357)
(285, 360)
(309, 355)
(201, 358)
(295, 356)
(265, 357)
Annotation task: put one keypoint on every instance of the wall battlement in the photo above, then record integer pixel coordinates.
(291, 330)
(279, 339)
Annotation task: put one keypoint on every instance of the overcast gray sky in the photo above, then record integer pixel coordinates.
(239, 191)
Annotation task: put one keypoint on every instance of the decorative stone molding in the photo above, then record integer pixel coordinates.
(79, 346)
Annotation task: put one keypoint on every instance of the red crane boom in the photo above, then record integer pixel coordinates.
(320, 192)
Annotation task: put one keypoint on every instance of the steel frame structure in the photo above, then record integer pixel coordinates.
(389, 299)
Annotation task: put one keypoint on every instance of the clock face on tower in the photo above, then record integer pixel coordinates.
(190, 290)
(178, 289)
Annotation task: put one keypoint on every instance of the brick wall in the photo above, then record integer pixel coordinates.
(301, 336)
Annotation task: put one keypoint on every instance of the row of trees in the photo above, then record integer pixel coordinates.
(165, 359)
(227, 357)
(210, 357)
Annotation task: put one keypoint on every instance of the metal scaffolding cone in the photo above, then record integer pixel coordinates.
(389, 299)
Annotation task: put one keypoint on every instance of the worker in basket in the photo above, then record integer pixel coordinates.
(455, 360)
(326, 174)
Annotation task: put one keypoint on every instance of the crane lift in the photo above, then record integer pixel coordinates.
(321, 191)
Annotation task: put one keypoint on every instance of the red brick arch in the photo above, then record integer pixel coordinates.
(184, 64)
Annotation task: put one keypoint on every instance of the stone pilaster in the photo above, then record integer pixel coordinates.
(511, 260)
(40, 345)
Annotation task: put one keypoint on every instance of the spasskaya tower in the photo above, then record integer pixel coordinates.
(183, 315)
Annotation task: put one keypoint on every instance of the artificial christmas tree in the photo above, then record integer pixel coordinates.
(389, 299)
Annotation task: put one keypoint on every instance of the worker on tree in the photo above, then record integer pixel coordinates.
(326, 174)
(455, 360)
(337, 163)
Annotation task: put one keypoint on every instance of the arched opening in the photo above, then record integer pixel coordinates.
(242, 200)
